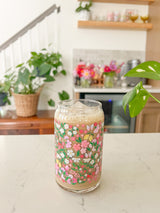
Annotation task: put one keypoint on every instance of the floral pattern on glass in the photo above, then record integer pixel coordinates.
(78, 152)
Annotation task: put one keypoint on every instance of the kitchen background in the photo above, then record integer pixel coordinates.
(15, 15)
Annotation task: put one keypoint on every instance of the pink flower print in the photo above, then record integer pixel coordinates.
(73, 138)
(69, 181)
(56, 166)
(81, 131)
(84, 144)
(67, 167)
(83, 125)
(98, 136)
(74, 180)
(66, 137)
(77, 136)
(94, 140)
(68, 145)
(70, 126)
(76, 147)
(85, 131)
(63, 169)
(83, 150)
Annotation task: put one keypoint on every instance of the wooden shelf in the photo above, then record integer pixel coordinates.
(124, 1)
(114, 25)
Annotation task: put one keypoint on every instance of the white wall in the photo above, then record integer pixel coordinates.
(16, 14)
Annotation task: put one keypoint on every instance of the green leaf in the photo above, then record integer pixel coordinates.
(63, 95)
(49, 78)
(44, 68)
(148, 69)
(23, 76)
(128, 97)
(136, 99)
(51, 103)
(63, 72)
(34, 53)
(19, 65)
(55, 72)
(35, 71)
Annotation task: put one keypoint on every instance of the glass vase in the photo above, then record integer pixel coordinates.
(85, 82)
(109, 81)
(78, 144)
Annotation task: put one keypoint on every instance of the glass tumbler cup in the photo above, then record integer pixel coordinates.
(78, 144)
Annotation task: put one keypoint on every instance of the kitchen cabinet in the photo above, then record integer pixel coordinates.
(149, 118)
(153, 38)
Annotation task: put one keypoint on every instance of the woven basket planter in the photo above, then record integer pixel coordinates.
(26, 105)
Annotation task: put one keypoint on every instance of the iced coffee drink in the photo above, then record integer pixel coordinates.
(78, 144)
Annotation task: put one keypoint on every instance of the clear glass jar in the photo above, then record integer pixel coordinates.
(78, 144)
(109, 81)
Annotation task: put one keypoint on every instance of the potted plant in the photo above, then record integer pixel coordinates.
(27, 80)
(84, 10)
(138, 96)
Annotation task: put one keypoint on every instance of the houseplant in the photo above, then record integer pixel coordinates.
(27, 80)
(138, 96)
(84, 10)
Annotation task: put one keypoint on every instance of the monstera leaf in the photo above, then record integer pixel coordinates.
(148, 69)
(138, 96)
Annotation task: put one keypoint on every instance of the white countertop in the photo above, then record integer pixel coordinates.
(130, 181)
(111, 90)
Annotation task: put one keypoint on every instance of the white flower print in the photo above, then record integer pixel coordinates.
(86, 155)
(92, 162)
(58, 125)
(61, 131)
(62, 155)
(74, 128)
(86, 160)
(76, 160)
(69, 133)
(74, 132)
(58, 156)
(90, 145)
(66, 126)
(93, 149)
(66, 161)
(96, 155)
(71, 176)
(70, 153)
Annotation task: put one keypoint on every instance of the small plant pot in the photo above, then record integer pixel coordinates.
(84, 15)
(2, 96)
(26, 105)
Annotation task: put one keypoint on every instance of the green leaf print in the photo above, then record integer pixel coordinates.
(78, 153)
(79, 140)
(88, 149)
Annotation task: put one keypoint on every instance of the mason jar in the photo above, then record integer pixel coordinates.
(78, 144)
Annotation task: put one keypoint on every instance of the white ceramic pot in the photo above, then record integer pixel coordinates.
(84, 15)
